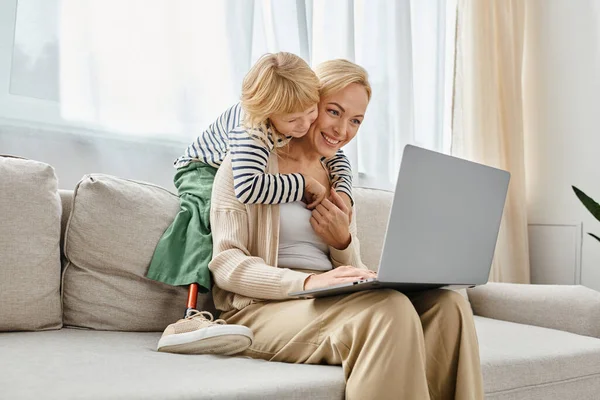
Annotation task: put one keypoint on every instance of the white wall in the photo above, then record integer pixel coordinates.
(562, 100)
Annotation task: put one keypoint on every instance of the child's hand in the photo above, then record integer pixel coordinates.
(314, 192)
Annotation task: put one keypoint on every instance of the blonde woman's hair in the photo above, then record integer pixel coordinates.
(335, 75)
(279, 83)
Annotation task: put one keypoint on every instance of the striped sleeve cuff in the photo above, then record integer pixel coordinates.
(342, 186)
(292, 188)
(302, 183)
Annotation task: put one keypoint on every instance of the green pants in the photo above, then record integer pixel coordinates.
(183, 252)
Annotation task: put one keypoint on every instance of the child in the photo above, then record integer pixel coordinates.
(279, 102)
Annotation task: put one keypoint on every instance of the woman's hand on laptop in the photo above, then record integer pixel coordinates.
(337, 276)
(330, 220)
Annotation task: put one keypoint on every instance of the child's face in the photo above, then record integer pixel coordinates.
(295, 124)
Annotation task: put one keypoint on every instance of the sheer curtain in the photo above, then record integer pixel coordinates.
(167, 68)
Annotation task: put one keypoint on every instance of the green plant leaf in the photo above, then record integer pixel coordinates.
(588, 202)
(594, 236)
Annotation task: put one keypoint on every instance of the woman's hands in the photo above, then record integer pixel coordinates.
(337, 276)
(331, 221)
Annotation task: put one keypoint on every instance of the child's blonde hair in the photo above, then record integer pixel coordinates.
(335, 75)
(279, 83)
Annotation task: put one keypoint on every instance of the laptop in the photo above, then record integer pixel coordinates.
(442, 229)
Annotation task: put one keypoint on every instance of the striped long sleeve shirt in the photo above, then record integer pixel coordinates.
(250, 151)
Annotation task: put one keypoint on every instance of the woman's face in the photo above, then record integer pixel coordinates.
(340, 116)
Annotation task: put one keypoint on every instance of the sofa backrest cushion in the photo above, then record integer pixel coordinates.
(372, 209)
(110, 238)
(30, 212)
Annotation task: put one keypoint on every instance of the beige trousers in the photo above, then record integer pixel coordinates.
(390, 345)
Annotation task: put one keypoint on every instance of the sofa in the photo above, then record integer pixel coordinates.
(79, 320)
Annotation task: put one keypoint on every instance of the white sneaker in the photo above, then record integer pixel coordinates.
(199, 334)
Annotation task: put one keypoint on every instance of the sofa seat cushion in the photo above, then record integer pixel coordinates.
(86, 364)
(530, 362)
(30, 212)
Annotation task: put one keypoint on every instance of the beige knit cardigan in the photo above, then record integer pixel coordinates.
(245, 247)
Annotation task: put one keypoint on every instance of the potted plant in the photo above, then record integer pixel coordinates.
(591, 205)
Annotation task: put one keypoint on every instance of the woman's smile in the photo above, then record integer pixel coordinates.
(330, 141)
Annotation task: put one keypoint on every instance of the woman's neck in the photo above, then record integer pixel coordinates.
(301, 151)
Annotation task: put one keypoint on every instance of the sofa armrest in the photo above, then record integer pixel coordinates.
(570, 308)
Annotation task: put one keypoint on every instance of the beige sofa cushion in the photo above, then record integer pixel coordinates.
(30, 212)
(109, 242)
(91, 365)
(525, 362)
(372, 214)
(570, 308)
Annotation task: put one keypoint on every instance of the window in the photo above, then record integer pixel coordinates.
(168, 70)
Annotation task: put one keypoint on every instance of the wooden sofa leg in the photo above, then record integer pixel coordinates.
(192, 298)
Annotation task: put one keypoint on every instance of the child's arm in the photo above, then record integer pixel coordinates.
(214, 137)
(252, 185)
(340, 172)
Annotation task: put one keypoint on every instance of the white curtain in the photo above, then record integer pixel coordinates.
(167, 68)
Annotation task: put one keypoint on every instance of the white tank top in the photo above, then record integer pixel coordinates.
(299, 245)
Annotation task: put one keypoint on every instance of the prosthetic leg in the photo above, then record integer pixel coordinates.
(192, 299)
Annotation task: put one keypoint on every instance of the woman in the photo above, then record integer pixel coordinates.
(390, 345)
